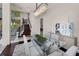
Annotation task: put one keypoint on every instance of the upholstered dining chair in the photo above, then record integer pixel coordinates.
(70, 52)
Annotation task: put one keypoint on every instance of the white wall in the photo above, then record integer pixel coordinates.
(5, 24)
(35, 22)
(61, 13)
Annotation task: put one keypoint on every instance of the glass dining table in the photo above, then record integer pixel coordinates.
(45, 46)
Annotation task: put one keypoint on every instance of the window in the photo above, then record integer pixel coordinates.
(15, 24)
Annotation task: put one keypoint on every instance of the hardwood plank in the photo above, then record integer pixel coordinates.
(8, 51)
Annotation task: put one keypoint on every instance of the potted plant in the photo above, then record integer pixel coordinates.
(40, 38)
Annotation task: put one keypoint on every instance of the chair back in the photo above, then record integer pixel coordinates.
(71, 51)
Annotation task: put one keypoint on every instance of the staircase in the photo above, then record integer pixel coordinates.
(26, 27)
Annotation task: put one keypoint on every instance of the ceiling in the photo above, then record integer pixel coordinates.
(30, 7)
(27, 7)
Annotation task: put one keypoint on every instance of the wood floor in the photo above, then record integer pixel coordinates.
(8, 51)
